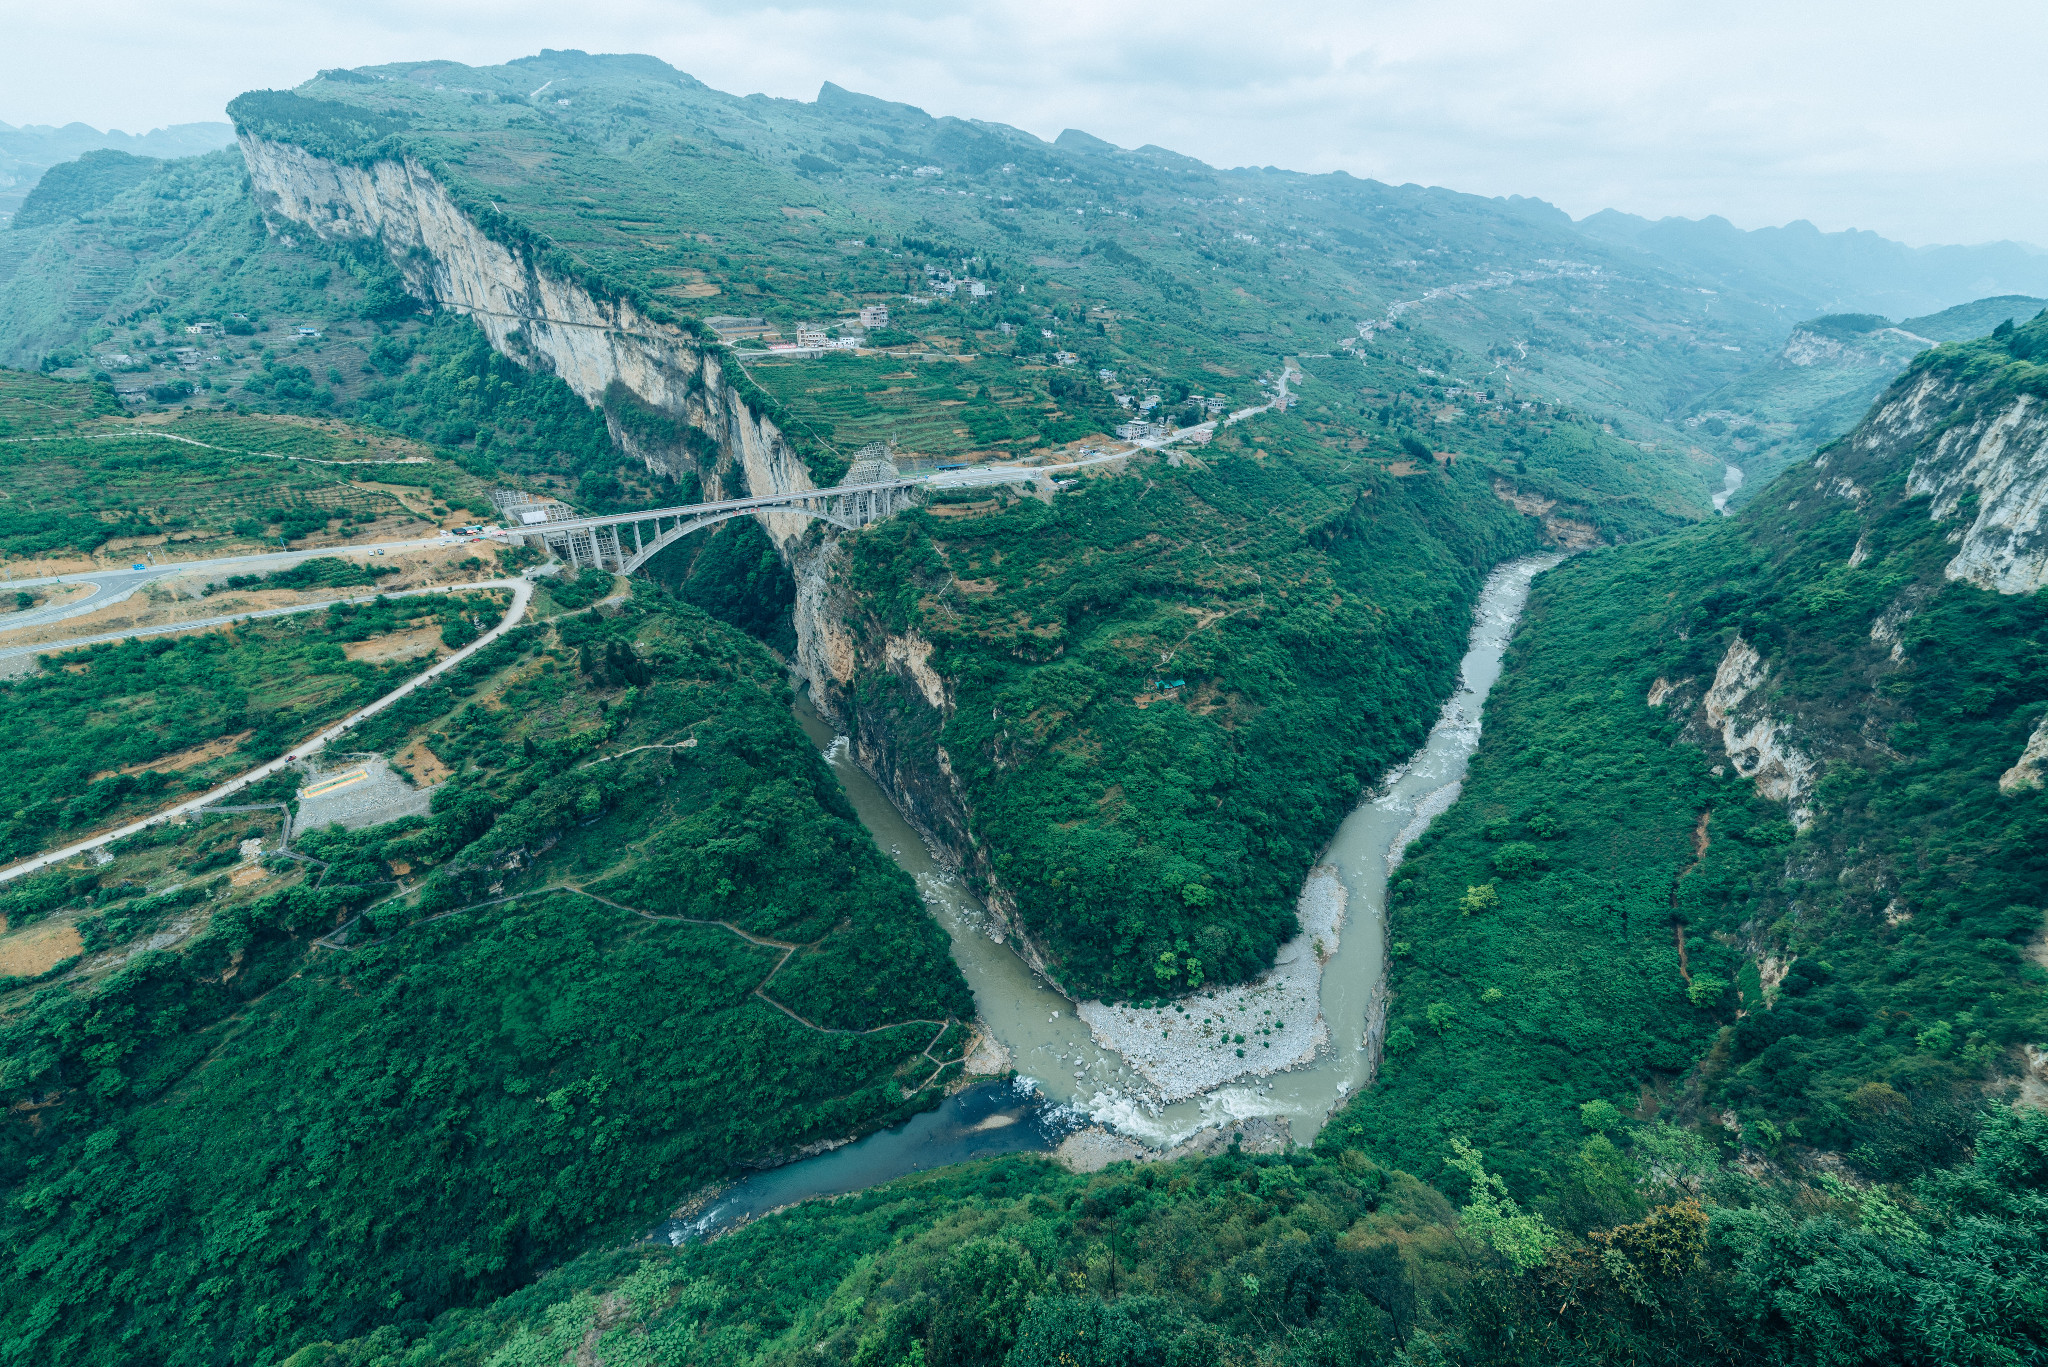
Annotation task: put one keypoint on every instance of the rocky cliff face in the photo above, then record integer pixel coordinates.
(1754, 740)
(668, 404)
(1982, 460)
(881, 689)
(613, 356)
(1739, 714)
(1888, 347)
(1961, 440)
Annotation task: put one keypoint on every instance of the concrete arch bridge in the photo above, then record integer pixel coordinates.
(623, 542)
(874, 489)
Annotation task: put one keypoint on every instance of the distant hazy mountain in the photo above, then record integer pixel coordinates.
(1975, 319)
(1807, 271)
(27, 152)
(1818, 386)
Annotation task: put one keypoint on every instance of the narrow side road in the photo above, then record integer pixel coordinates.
(117, 585)
(522, 594)
(760, 989)
(206, 623)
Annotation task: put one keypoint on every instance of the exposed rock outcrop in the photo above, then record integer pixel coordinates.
(2027, 771)
(1888, 627)
(1566, 533)
(1963, 444)
(1755, 740)
(607, 350)
(1889, 347)
(884, 691)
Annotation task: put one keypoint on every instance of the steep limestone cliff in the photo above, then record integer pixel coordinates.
(609, 352)
(881, 690)
(1979, 457)
(666, 399)
(1738, 714)
(1754, 739)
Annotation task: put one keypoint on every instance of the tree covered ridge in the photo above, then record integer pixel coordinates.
(215, 1151)
(1168, 687)
(1315, 1257)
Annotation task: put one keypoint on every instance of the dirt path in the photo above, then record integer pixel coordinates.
(1700, 842)
(760, 989)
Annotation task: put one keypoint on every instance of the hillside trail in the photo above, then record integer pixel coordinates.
(335, 940)
(1700, 844)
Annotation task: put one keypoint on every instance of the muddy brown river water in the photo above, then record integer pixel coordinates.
(1065, 1077)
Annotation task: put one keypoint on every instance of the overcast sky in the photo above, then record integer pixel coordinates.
(1915, 120)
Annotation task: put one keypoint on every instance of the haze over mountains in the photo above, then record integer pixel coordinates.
(1068, 723)
(27, 152)
(1813, 272)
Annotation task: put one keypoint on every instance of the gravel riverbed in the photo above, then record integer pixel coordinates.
(1206, 1039)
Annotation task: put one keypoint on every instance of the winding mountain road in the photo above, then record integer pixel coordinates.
(116, 585)
(522, 594)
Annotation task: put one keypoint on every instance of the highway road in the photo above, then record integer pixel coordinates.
(115, 585)
(8, 652)
(111, 586)
(522, 594)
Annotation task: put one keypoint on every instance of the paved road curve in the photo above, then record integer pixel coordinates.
(204, 623)
(116, 585)
(522, 594)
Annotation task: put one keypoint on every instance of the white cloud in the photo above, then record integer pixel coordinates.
(1908, 119)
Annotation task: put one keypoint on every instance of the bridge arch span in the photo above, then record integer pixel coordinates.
(677, 533)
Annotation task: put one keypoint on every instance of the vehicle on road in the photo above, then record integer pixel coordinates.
(140, 566)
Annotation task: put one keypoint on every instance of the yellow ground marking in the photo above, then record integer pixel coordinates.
(323, 789)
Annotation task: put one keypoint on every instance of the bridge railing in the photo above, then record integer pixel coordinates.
(620, 541)
(625, 541)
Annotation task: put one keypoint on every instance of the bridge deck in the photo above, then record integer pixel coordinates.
(847, 505)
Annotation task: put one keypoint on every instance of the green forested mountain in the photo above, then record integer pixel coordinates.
(640, 939)
(27, 153)
(718, 205)
(638, 184)
(1756, 843)
(1710, 997)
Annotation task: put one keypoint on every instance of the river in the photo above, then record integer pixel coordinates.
(1065, 1079)
(1731, 480)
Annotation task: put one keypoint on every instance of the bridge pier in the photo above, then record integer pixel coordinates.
(873, 490)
